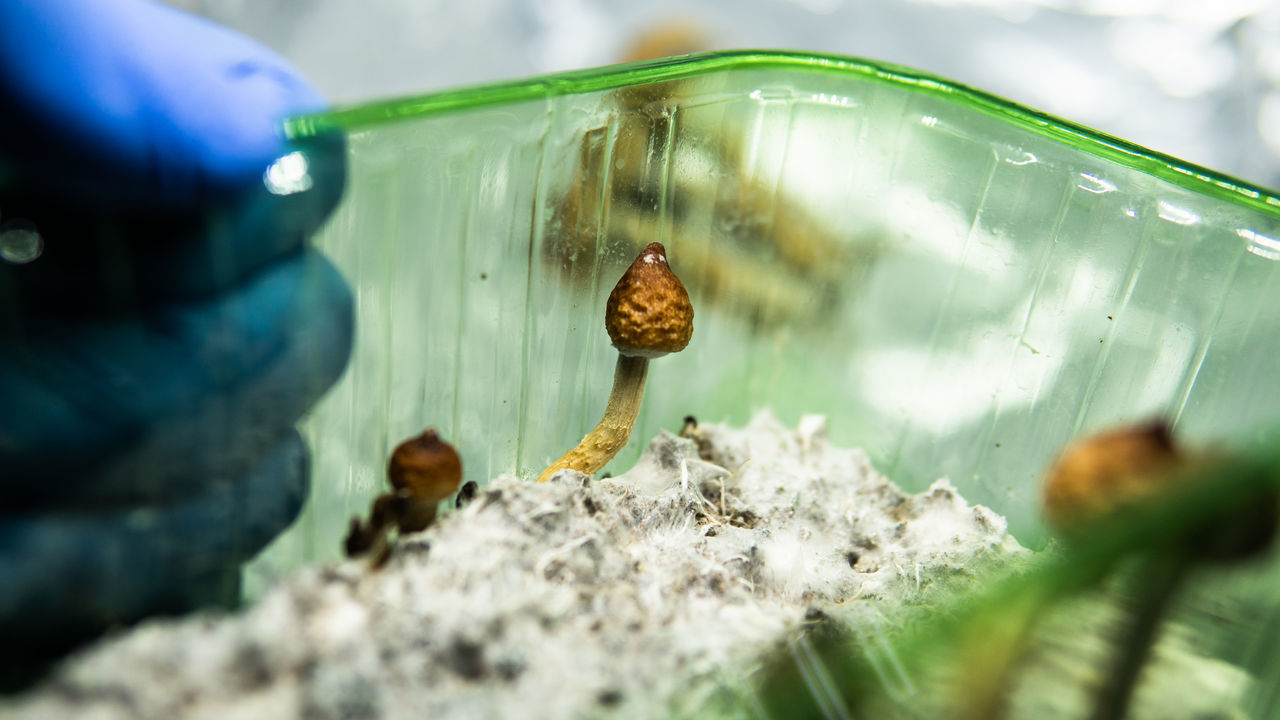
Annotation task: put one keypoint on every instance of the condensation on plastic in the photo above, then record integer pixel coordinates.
(961, 285)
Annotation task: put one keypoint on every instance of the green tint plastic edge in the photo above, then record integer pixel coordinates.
(1192, 177)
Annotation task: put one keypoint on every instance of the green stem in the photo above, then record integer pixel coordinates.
(1158, 579)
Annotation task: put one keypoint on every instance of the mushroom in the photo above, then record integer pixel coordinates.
(1107, 472)
(1102, 477)
(1127, 468)
(648, 315)
(423, 470)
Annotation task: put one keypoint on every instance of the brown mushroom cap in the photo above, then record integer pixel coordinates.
(1108, 472)
(649, 314)
(675, 36)
(425, 466)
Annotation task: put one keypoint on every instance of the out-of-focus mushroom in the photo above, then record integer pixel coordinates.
(1124, 469)
(423, 471)
(673, 36)
(1099, 479)
(648, 315)
(1108, 472)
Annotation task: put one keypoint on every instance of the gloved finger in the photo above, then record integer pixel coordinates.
(133, 104)
(134, 139)
(147, 408)
(113, 262)
(67, 575)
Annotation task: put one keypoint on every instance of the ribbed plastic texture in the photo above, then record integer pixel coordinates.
(959, 284)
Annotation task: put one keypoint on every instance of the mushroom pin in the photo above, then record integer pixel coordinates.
(648, 315)
(423, 470)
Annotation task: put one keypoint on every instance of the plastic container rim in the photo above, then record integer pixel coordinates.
(612, 77)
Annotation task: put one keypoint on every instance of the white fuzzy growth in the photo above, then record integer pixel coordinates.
(627, 597)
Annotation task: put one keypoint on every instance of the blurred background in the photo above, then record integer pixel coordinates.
(1197, 80)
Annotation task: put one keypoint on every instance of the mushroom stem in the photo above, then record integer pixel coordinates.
(1159, 580)
(614, 429)
(648, 315)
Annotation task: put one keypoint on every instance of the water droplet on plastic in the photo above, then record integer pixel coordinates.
(20, 243)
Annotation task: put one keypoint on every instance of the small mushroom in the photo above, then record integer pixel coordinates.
(1104, 476)
(423, 470)
(690, 427)
(466, 493)
(648, 315)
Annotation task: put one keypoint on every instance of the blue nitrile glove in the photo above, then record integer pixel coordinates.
(156, 354)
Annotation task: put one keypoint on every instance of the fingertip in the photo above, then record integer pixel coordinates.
(230, 121)
(136, 102)
(221, 98)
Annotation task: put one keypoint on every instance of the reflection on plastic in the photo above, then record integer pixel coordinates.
(1025, 158)
(1261, 245)
(1094, 184)
(289, 174)
(1176, 215)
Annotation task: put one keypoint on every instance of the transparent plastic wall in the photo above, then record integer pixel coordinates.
(960, 285)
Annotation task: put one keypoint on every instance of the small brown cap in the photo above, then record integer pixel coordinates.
(425, 466)
(1107, 472)
(649, 313)
(672, 37)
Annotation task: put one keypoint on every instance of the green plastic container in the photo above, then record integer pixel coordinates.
(959, 283)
